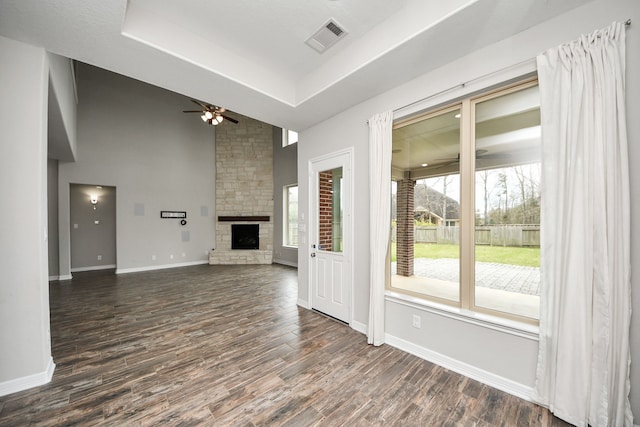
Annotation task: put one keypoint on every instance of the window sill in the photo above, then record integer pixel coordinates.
(289, 247)
(512, 327)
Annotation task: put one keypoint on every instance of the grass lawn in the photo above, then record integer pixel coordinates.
(504, 255)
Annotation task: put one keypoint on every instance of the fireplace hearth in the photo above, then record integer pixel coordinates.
(245, 236)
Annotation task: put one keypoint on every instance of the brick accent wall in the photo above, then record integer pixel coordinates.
(325, 225)
(404, 227)
(244, 187)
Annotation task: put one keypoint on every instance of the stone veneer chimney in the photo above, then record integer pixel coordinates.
(244, 188)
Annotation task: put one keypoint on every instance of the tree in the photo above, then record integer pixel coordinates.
(522, 185)
(484, 177)
(445, 182)
(503, 182)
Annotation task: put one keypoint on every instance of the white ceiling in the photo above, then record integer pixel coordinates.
(250, 56)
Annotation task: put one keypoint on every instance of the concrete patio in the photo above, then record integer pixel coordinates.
(509, 288)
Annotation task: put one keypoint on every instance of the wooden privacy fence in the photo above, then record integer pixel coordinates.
(526, 235)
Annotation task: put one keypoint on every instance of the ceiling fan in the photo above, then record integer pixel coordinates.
(480, 154)
(211, 114)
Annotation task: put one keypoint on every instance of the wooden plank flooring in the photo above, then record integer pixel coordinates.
(227, 345)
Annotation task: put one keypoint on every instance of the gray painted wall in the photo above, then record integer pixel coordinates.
(52, 217)
(62, 109)
(134, 137)
(93, 245)
(285, 172)
(499, 354)
(25, 345)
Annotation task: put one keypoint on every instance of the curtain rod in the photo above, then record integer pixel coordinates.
(464, 84)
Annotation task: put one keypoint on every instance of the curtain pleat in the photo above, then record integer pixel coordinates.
(585, 308)
(380, 126)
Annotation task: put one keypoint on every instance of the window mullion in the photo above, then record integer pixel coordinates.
(467, 208)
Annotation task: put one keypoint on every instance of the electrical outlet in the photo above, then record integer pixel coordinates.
(99, 257)
(415, 322)
(184, 255)
(171, 256)
(153, 257)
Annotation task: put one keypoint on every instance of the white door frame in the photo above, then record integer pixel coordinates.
(348, 241)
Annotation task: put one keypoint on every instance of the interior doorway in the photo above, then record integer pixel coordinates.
(93, 227)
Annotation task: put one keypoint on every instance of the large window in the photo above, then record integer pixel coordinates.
(466, 204)
(290, 210)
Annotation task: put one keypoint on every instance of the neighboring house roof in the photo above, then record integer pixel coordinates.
(434, 204)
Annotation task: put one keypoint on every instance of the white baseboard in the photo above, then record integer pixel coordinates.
(359, 327)
(54, 278)
(160, 267)
(304, 304)
(94, 267)
(63, 277)
(23, 383)
(284, 262)
(493, 380)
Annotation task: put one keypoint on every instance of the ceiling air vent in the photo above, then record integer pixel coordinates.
(326, 36)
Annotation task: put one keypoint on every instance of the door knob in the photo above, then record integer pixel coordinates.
(313, 254)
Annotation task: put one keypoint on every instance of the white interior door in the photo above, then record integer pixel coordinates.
(330, 237)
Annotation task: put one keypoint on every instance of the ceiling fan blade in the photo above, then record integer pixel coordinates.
(232, 120)
(204, 107)
(479, 153)
(193, 111)
(495, 156)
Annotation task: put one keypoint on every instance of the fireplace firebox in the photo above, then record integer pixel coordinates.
(245, 236)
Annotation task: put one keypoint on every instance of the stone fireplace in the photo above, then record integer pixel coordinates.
(244, 190)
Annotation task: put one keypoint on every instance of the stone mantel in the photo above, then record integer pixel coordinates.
(244, 218)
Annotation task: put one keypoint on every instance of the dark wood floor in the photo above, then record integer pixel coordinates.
(227, 345)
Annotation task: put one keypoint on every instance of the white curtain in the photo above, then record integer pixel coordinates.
(585, 307)
(380, 127)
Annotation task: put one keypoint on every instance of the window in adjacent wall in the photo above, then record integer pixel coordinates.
(289, 137)
(466, 204)
(290, 225)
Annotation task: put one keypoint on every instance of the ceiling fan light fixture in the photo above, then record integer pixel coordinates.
(210, 114)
